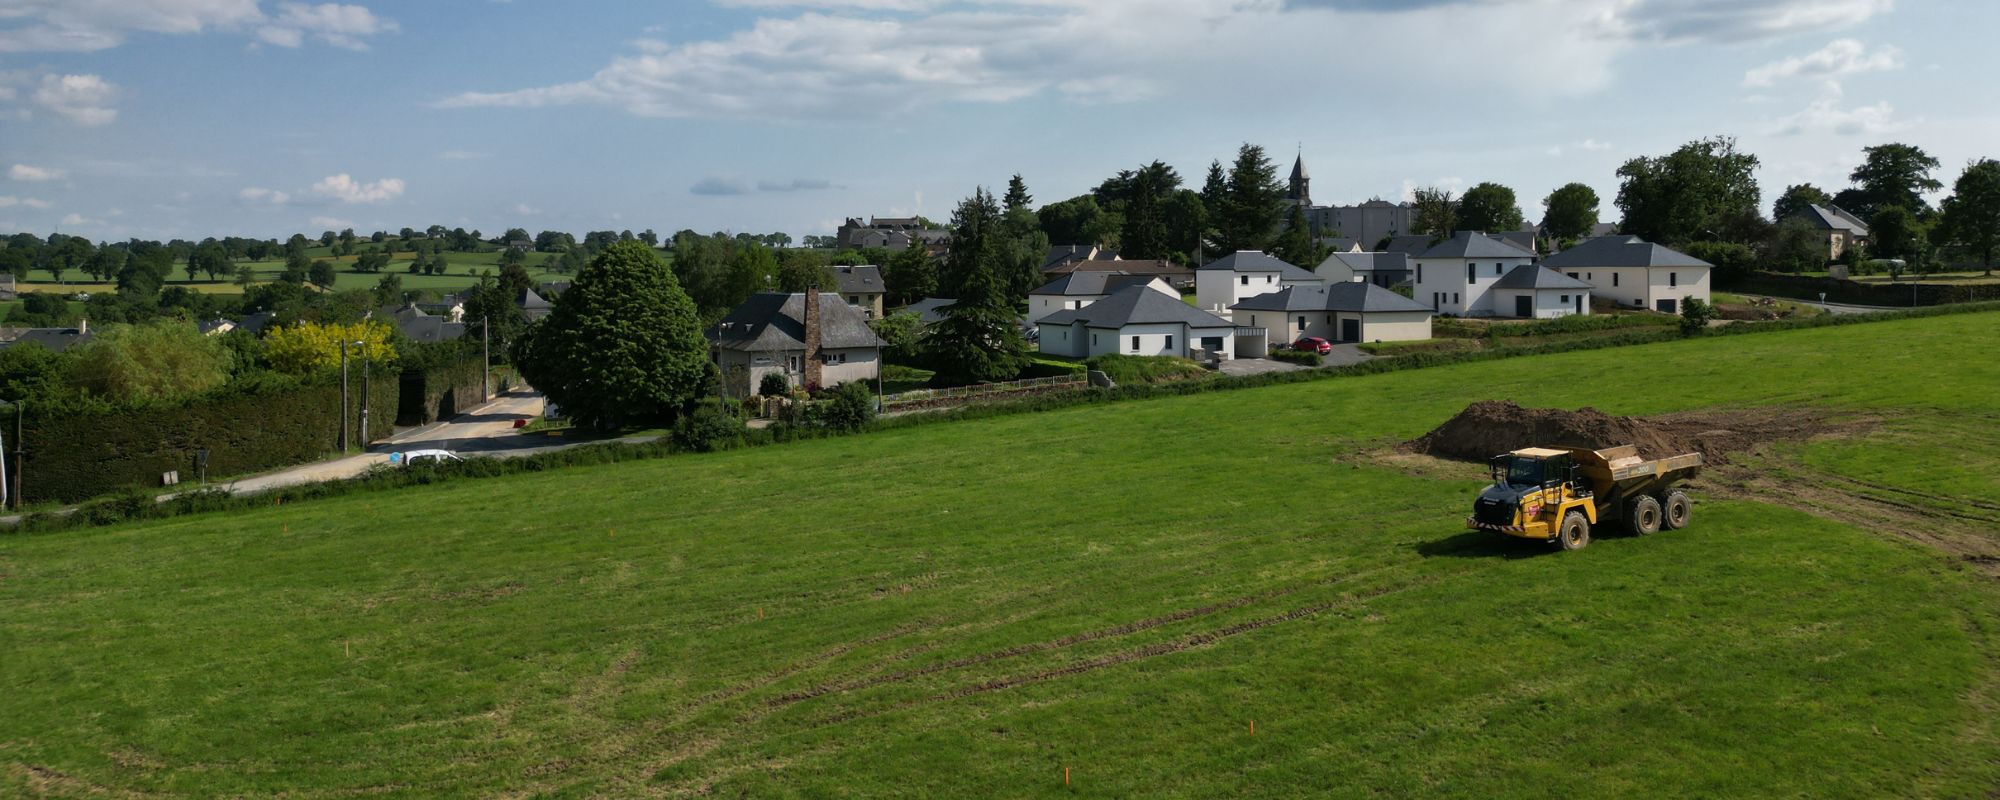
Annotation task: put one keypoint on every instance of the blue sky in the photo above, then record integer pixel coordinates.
(190, 118)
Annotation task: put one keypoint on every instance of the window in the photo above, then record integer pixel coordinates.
(1302, 323)
(1470, 277)
(1614, 279)
(1170, 342)
(1496, 269)
(1420, 273)
(1454, 297)
(853, 300)
(1135, 344)
(1245, 279)
(1270, 279)
(1673, 279)
(1093, 340)
(1565, 299)
(1572, 275)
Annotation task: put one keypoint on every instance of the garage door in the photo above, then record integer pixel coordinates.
(1669, 306)
(1350, 330)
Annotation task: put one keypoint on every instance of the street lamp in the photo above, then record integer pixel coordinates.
(344, 441)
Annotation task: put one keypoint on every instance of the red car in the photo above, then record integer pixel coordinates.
(1313, 344)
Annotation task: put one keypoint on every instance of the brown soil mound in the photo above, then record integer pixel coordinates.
(1489, 428)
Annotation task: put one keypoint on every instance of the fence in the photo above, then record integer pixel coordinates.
(966, 394)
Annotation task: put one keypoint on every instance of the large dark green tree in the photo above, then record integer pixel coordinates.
(1972, 212)
(979, 339)
(1436, 212)
(1017, 194)
(1253, 203)
(1572, 212)
(1893, 174)
(910, 275)
(1489, 207)
(623, 345)
(1296, 245)
(1076, 221)
(1797, 199)
(1896, 232)
(1145, 234)
(1705, 190)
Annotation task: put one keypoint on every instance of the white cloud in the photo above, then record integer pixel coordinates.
(260, 196)
(331, 223)
(1676, 21)
(333, 23)
(526, 210)
(28, 26)
(10, 201)
(346, 189)
(24, 172)
(1828, 114)
(1839, 57)
(82, 99)
(73, 220)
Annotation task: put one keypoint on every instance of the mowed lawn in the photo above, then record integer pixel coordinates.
(1121, 592)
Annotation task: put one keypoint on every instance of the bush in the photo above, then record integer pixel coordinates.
(1730, 259)
(1044, 367)
(1297, 357)
(711, 427)
(1132, 370)
(1695, 315)
(849, 407)
(774, 384)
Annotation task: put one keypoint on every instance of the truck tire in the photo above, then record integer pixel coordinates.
(1642, 518)
(1574, 533)
(1674, 510)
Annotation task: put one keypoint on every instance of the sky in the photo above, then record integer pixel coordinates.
(192, 118)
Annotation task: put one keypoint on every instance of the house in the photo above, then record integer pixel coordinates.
(420, 326)
(1137, 320)
(1078, 289)
(1239, 276)
(1174, 274)
(1535, 292)
(1410, 245)
(451, 307)
(1381, 269)
(1368, 223)
(216, 327)
(1340, 244)
(523, 245)
(56, 340)
(1339, 312)
(1842, 229)
(1455, 275)
(8, 289)
(532, 305)
(256, 323)
(863, 288)
(1525, 239)
(929, 310)
(888, 233)
(819, 344)
(1062, 254)
(1635, 273)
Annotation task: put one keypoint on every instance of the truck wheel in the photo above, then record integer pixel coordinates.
(1642, 518)
(1574, 533)
(1674, 510)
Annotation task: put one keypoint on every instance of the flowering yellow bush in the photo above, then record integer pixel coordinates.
(313, 347)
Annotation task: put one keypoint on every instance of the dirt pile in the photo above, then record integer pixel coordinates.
(1490, 428)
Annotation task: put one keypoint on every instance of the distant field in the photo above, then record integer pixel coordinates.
(971, 609)
(461, 266)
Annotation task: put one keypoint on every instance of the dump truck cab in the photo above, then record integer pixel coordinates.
(1556, 494)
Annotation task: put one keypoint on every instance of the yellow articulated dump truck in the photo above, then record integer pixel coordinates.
(1555, 494)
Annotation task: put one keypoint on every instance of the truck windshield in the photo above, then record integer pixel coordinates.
(1524, 472)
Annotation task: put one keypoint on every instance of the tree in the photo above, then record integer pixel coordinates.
(1797, 246)
(515, 235)
(322, 274)
(1144, 234)
(1896, 232)
(1798, 199)
(164, 360)
(623, 344)
(1435, 212)
(297, 267)
(438, 264)
(389, 290)
(649, 237)
(314, 348)
(245, 276)
(1489, 207)
(1707, 189)
(1572, 212)
(1891, 174)
(979, 339)
(1253, 203)
(1071, 222)
(910, 275)
(1695, 315)
(1972, 212)
(107, 262)
(1017, 194)
(1296, 245)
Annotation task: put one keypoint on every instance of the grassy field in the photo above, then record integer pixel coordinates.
(972, 608)
(462, 267)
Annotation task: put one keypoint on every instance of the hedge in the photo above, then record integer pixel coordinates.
(1906, 294)
(142, 506)
(441, 392)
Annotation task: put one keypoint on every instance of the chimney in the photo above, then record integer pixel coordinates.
(812, 365)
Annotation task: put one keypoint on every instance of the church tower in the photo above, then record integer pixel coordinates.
(1301, 191)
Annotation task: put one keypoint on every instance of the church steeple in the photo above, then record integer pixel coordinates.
(1301, 189)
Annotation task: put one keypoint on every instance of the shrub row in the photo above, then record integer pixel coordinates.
(142, 506)
(1459, 329)
(1895, 295)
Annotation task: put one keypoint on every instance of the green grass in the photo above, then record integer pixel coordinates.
(967, 608)
(462, 267)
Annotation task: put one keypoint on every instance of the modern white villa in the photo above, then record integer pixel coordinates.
(1635, 273)
(1137, 320)
(1240, 276)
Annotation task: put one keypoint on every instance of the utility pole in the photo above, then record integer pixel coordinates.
(366, 362)
(20, 409)
(486, 353)
(343, 396)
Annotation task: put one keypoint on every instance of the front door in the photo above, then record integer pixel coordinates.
(1524, 306)
(1350, 330)
(1669, 306)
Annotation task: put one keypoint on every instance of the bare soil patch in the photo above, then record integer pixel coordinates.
(1493, 427)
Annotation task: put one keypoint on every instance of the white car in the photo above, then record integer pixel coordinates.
(415, 457)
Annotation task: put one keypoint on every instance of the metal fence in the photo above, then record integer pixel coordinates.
(969, 393)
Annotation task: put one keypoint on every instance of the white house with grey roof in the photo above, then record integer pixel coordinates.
(1136, 321)
(1635, 273)
(1351, 311)
(1457, 276)
(1381, 269)
(1242, 275)
(1535, 292)
(1078, 289)
(816, 345)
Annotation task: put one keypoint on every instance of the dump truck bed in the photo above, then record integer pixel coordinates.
(1619, 473)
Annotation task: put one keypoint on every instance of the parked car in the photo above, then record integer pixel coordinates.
(415, 457)
(1313, 344)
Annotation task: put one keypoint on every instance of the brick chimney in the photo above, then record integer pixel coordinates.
(812, 365)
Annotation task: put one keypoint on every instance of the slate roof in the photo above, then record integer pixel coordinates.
(533, 303)
(1341, 244)
(1370, 262)
(860, 280)
(1621, 251)
(1529, 276)
(1409, 244)
(1835, 218)
(55, 339)
(775, 321)
(431, 330)
(1165, 269)
(1473, 244)
(213, 325)
(1092, 284)
(1254, 261)
(1137, 305)
(1062, 254)
(1522, 239)
(929, 310)
(256, 323)
(1351, 296)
